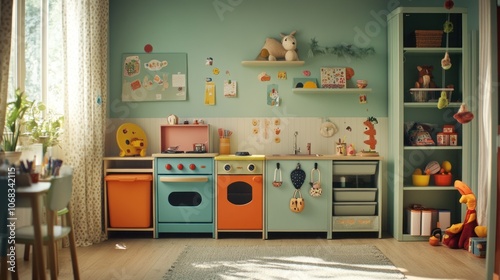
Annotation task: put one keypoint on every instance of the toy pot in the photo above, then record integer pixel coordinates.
(436, 237)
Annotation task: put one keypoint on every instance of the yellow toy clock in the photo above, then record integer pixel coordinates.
(131, 140)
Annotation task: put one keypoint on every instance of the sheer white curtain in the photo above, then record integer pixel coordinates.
(85, 24)
(485, 114)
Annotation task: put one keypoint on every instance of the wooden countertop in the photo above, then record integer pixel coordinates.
(260, 157)
(320, 157)
(185, 155)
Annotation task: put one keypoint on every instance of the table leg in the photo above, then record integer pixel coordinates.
(38, 246)
(51, 245)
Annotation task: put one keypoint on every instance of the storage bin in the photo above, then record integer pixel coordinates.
(129, 200)
(354, 194)
(443, 179)
(428, 38)
(354, 168)
(354, 208)
(421, 180)
(355, 223)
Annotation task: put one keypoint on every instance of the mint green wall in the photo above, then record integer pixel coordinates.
(230, 31)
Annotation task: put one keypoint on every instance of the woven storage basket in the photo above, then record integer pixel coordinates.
(428, 38)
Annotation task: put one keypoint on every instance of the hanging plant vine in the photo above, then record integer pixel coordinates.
(340, 50)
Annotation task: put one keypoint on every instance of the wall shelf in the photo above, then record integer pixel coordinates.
(432, 50)
(425, 148)
(430, 105)
(271, 63)
(331, 90)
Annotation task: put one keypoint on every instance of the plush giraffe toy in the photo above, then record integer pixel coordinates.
(457, 236)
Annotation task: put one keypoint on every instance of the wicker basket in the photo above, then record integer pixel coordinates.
(428, 38)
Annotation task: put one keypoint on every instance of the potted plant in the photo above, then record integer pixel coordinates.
(43, 125)
(14, 120)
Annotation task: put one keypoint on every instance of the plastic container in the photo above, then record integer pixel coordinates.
(421, 180)
(224, 146)
(129, 200)
(354, 208)
(354, 194)
(443, 179)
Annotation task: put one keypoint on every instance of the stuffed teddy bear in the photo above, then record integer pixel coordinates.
(457, 236)
(425, 78)
(275, 50)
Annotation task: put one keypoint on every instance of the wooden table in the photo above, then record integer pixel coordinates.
(32, 196)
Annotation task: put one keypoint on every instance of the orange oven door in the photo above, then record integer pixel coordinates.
(239, 202)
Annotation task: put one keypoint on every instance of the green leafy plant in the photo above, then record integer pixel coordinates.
(43, 125)
(340, 50)
(14, 120)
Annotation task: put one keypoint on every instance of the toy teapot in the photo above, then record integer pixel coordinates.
(172, 119)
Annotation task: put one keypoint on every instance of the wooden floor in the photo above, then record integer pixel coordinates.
(148, 258)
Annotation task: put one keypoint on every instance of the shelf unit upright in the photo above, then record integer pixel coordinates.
(404, 158)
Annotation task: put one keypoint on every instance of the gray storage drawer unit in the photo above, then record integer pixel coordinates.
(352, 168)
(356, 195)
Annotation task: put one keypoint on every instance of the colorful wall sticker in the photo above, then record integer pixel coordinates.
(371, 132)
(362, 98)
(148, 48)
(209, 93)
(281, 75)
(264, 77)
(273, 98)
(230, 88)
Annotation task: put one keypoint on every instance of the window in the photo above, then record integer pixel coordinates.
(37, 51)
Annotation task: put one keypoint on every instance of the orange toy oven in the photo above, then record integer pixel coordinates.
(239, 202)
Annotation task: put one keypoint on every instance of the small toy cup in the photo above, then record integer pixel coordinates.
(362, 83)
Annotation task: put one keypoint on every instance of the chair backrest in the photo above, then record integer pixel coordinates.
(59, 194)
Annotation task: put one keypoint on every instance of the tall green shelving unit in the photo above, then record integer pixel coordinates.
(404, 158)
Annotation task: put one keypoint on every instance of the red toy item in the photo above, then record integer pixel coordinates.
(448, 4)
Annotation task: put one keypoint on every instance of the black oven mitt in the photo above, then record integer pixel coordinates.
(298, 176)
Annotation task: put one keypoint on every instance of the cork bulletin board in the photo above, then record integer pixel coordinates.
(154, 77)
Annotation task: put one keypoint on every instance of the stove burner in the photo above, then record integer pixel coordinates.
(172, 152)
(196, 152)
(242, 153)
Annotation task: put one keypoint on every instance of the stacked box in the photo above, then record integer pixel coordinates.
(477, 246)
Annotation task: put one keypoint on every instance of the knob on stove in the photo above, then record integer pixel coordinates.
(180, 166)
(227, 167)
(251, 167)
(192, 166)
(168, 166)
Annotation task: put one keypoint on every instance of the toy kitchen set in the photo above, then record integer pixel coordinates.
(184, 173)
(189, 189)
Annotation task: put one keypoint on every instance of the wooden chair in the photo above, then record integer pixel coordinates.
(58, 198)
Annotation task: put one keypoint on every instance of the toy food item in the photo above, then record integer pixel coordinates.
(446, 166)
(446, 62)
(433, 167)
(417, 171)
(443, 100)
(463, 116)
